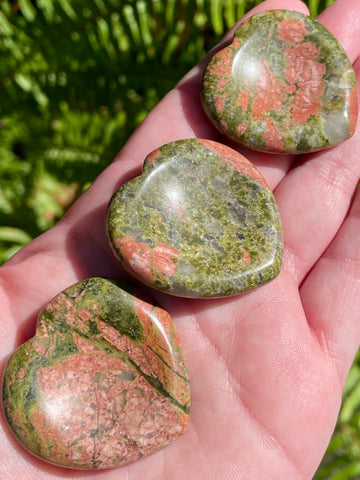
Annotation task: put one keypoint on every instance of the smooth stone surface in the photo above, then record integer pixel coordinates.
(103, 382)
(285, 85)
(199, 222)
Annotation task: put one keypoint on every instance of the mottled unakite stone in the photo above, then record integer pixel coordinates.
(103, 382)
(284, 85)
(199, 222)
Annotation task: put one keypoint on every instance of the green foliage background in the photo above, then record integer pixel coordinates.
(76, 78)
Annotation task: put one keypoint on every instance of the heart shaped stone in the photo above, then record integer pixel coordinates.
(199, 222)
(284, 85)
(103, 382)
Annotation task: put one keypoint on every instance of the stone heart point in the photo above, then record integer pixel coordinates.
(199, 222)
(103, 382)
(284, 85)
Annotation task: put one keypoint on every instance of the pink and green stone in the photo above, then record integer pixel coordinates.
(199, 222)
(284, 85)
(103, 382)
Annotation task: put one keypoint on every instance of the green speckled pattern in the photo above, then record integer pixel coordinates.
(103, 382)
(284, 85)
(199, 222)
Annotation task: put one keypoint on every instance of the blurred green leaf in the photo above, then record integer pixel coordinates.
(27, 9)
(15, 235)
(342, 458)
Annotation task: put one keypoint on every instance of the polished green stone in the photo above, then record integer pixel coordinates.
(284, 85)
(103, 382)
(199, 222)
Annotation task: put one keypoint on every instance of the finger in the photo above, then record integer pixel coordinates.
(331, 295)
(316, 194)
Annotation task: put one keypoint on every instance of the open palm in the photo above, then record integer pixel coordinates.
(267, 367)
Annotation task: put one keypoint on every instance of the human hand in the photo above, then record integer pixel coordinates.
(267, 368)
